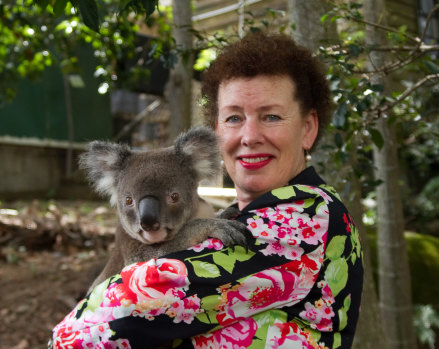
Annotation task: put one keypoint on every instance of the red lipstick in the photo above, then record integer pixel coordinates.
(254, 161)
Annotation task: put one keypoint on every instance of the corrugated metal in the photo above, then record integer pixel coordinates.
(39, 110)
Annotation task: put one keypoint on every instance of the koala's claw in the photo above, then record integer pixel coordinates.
(231, 233)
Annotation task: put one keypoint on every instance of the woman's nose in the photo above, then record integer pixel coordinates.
(251, 133)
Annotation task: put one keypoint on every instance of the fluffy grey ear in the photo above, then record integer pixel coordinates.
(102, 162)
(200, 144)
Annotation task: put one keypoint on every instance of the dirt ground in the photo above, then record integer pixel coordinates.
(50, 252)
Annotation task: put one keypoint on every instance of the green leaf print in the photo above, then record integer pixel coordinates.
(337, 340)
(225, 261)
(205, 270)
(353, 258)
(306, 189)
(97, 295)
(284, 192)
(241, 254)
(265, 321)
(331, 190)
(309, 202)
(337, 275)
(208, 304)
(336, 247)
(342, 312)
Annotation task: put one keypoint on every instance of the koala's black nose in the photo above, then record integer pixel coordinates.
(149, 212)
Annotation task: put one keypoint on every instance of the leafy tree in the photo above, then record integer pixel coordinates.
(36, 35)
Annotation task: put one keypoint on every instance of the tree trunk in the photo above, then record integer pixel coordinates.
(370, 333)
(310, 32)
(179, 87)
(394, 273)
(305, 16)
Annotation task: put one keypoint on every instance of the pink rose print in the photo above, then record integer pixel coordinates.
(319, 315)
(310, 230)
(211, 244)
(96, 337)
(185, 309)
(236, 336)
(262, 231)
(153, 279)
(272, 288)
(274, 248)
(286, 335)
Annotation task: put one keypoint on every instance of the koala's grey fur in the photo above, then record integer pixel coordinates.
(155, 193)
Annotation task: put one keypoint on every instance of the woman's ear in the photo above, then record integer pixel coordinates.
(311, 129)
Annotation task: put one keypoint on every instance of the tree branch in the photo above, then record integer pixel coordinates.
(377, 112)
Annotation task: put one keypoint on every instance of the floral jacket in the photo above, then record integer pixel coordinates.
(298, 286)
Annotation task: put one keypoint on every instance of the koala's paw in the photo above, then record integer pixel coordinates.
(232, 233)
(228, 213)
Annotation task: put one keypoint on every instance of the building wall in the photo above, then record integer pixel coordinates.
(33, 170)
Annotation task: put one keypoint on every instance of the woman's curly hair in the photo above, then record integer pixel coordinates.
(261, 53)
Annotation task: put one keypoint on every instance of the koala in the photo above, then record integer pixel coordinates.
(155, 193)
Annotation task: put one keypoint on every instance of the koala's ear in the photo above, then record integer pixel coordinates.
(103, 161)
(200, 144)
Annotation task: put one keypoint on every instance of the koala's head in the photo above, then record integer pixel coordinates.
(155, 192)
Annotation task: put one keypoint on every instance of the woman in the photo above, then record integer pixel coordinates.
(300, 284)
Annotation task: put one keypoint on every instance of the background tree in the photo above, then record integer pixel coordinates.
(179, 87)
(394, 273)
(367, 104)
(310, 31)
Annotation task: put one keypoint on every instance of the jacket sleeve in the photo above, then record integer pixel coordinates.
(208, 288)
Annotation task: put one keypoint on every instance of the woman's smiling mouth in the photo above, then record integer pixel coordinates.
(254, 162)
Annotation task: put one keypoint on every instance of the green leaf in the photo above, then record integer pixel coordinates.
(89, 13)
(58, 8)
(377, 87)
(432, 67)
(377, 138)
(324, 17)
(284, 192)
(338, 140)
(339, 120)
(337, 275)
(354, 50)
(225, 261)
(336, 247)
(149, 6)
(205, 270)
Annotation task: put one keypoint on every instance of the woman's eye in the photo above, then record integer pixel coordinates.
(233, 119)
(272, 117)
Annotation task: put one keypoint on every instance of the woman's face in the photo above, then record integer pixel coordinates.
(262, 133)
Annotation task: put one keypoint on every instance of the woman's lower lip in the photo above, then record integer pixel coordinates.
(254, 165)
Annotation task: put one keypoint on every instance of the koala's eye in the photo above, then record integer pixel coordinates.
(174, 197)
(129, 201)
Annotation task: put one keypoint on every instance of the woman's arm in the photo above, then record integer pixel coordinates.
(206, 288)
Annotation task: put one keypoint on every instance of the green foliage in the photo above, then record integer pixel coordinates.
(36, 35)
(423, 252)
(429, 197)
(426, 321)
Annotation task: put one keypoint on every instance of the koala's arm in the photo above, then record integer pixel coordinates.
(197, 230)
(114, 266)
